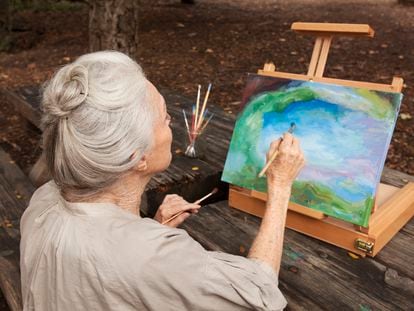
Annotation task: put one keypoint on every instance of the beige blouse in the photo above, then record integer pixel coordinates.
(96, 256)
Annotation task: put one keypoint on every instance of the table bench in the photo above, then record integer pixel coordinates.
(314, 274)
(15, 193)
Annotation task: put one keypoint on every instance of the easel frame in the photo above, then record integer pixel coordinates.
(393, 208)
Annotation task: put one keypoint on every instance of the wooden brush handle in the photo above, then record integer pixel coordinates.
(173, 217)
(272, 158)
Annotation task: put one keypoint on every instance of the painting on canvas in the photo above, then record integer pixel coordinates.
(344, 132)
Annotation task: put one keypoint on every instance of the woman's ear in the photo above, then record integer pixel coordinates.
(142, 163)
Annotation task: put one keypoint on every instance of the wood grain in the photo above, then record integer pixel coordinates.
(316, 275)
(15, 193)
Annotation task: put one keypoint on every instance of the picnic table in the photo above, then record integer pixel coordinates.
(314, 275)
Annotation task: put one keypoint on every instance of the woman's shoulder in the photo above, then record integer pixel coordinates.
(46, 193)
(44, 197)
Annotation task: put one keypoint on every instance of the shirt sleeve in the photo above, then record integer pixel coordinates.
(191, 278)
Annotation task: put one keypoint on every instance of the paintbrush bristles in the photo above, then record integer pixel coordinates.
(206, 196)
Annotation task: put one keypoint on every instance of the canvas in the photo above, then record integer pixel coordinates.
(344, 132)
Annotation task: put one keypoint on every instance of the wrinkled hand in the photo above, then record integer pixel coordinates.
(172, 205)
(287, 164)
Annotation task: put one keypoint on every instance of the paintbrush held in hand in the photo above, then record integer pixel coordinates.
(274, 155)
(200, 117)
(196, 202)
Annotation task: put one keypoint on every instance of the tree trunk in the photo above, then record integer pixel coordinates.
(113, 25)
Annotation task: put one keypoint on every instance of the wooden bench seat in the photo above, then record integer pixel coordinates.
(15, 193)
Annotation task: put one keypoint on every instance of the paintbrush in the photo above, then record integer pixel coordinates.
(205, 124)
(196, 202)
(198, 102)
(274, 155)
(201, 118)
(186, 124)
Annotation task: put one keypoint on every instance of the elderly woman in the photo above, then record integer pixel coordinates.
(84, 245)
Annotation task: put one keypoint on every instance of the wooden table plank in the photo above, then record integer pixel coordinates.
(314, 273)
(15, 194)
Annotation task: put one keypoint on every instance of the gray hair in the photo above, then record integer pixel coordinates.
(96, 114)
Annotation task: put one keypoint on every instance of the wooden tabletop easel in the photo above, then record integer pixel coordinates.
(393, 208)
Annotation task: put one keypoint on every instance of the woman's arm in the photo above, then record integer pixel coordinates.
(268, 244)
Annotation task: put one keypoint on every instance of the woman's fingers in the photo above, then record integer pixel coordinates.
(172, 205)
(287, 140)
(289, 162)
(175, 206)
(178, 220)
(171, 198)
(273, 147)
(296, 149)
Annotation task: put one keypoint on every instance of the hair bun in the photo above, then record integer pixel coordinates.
(66, 91)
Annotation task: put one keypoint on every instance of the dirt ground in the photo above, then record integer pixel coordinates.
(219, 41)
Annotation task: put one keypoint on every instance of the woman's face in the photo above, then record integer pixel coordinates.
(159, 157)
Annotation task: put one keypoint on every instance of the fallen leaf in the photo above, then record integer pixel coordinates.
(180, 25)
(353, 256)
(209, 51)
(405, 116)
(195, 168)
